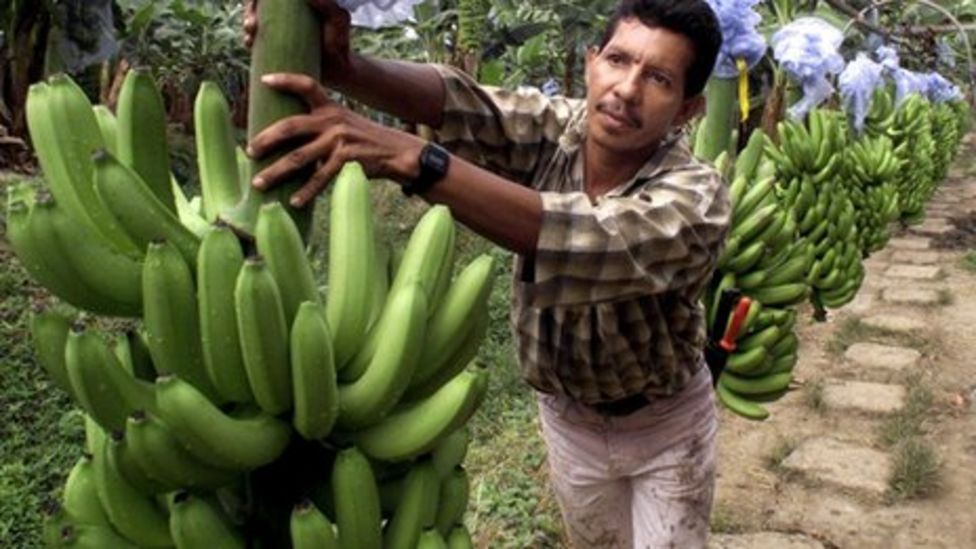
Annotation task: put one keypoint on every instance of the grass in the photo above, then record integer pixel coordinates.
(41, 434)
(909, 421)
(916, 466)
(945, 297)
(774, 460)
(968, 261)
(725, 520)
(853, 330)
(916, 471)
(813, 396)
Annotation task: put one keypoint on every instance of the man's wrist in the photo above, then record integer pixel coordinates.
(431, 166)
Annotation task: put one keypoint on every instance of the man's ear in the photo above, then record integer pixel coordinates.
(690, 108)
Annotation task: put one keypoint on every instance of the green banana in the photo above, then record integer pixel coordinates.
(450, 452)
(171, 318)
(747, 257)
(313, 373)
(749, 227)
(281, 246)
(210, 435)
(357, 501)
(220, 180)
(417, 428)
(764, 338)
(99, 265)
(783, 364)
(108, 126)
(310, 529)
(264, 336)
(157, 451)
(80, 498)
(351, 256)
(134, 356)
(65, 156)
(429, 251)
(122, 459)
(459, 538)
(455, 317)
(781, 295)
(790, 271)
(753, 197)
(195, 523)
(88, 536)
(757, 385)
(49, 332)
(787, 344)
(747, 361)
(142, 144)
(187, 211)
(219, 262)
(134, 515)
(748, 159)
(739, 405)
(101, 385)
(458, 361)
(402, 329)
(140, 212)
(431, 539)
(417, 507)
(30, 231)
(453, 500)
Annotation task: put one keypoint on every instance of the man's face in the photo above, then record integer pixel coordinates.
(635, 87)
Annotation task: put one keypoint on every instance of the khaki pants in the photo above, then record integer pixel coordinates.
(645, 480)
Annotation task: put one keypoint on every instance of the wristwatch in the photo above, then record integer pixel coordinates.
(434, 161)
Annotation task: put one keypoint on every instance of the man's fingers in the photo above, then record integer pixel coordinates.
(301, 85)
(318, 182)
(289, 163)
(286, 129)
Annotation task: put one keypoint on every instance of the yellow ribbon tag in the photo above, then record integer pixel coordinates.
(740, 63)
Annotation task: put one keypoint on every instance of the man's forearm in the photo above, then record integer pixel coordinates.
(502, 211)
(410, 91)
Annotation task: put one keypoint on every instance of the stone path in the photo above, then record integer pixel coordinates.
(828, 482)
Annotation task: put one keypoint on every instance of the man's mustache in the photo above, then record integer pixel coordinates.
(618, 110)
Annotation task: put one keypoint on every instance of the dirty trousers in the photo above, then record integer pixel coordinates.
(645, 480)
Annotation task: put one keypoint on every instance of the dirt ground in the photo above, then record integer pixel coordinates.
(755, 495)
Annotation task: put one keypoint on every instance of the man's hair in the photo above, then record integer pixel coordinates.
(691, 18)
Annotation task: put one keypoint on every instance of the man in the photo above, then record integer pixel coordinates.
(616, 229)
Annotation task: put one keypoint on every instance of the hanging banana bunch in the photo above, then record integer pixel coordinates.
(237, 372)
(809, 160)
(871, 167)
(912, 128)
(765, 260)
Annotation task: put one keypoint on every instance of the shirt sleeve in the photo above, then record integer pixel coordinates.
(666, 237)
(505, 131)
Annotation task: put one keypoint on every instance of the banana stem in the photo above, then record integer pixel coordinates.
(715, 134)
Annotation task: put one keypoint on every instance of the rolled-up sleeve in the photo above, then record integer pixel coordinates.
(665, 237)
(506, 131)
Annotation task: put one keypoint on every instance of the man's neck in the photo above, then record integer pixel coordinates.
(603, 170)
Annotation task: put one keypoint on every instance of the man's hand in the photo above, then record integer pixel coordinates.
(335, 35)
(331, 136)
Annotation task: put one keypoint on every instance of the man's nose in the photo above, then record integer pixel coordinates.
(628, 88)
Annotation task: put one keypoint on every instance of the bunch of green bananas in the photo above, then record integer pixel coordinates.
(912, 128)
(809, 161)
(765, 260)
(236, 373)
(761, 368)
(946, 133)
(871, 166)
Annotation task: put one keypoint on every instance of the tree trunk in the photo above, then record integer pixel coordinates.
(24, 64)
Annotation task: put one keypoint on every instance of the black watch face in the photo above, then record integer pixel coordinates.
(437, 159)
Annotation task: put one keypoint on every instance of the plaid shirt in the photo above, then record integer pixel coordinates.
(608, 307)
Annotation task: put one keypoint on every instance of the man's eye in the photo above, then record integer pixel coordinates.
(659, 78)
(615, 59)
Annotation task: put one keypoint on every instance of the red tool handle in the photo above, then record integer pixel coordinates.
(738, 317)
